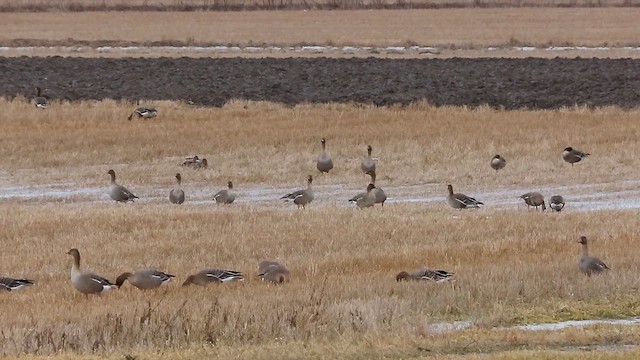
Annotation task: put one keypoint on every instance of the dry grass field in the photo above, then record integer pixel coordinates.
(512, 266)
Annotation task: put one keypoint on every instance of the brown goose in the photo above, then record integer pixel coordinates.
(556, 202)
(196, 162)
(273, 271)
(533, 199)
(145, 279)
(117, 192)
(590, 264)
(368, 163)
(176, 195)
(11, 284)
(226, 196)
(40, 101)
(86, 282)
(208, 276)
(498, 162)
(461, 201)
(425, 274)
(368, 199)
(301, 197)
(324, 163)
(572, 155)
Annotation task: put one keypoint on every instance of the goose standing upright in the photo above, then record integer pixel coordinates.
(207, 276)
(86, 282)
(498, 162)
(324, 163)
(117, 192)
(226, 196)
(461, 201)
(572, 155)
(145, 279)
(176, 195)
(301, 197)
(40, 101)
(425, 274)
(556, 202)
(368, 163)
(534, 199)
(589, 264)
(11, 284)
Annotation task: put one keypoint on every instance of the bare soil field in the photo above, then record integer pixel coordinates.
(508, 83)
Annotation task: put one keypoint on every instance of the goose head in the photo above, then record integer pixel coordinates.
(230, 184)
(582, 240)
(402, 276)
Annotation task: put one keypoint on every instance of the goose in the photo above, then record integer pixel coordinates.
(572, 155)
(556, 202)
(86, 282)
(461, 201)
(145, 279)
(534, 199)
(301, 197)
(381, 197)
(368, 199)
(117, 192)
(176, 196)
(196, 162)
(190, 160)
(144, 113)
(11, 284)
(368, 163)
(324, 163)
(226, 196)
(273, 271)
(40, 101)
(498, 162)
(425, 274)
(208, 276)
(590, 264)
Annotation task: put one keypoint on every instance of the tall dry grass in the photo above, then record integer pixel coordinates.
(512, 266)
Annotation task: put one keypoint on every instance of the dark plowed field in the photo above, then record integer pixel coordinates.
(508, 83)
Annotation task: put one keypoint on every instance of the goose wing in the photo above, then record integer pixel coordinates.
(10, 284)
(223, 275)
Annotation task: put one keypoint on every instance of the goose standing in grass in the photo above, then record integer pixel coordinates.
(498, 163)
(324, 163)
(144, 113)
(176, 196)
(368, 163)
(572, 155)
(461, 201)
(590, 264)
(534, 199)
(556, 202)
(145, 279)
(207, 276)
(86, 282)
(425, 274)
(117, 192)
(301, 197)
(226, 196)
(11, 284)
(273, 271)
(40, 101)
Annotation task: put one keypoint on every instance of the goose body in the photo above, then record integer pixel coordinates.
(86, 282)
(176, 195)
(368, 163)
(534, 199)
(273, 271)
(556, 202)
(195, 162)
(498, 163)
(366, 199)
(226, 196)
(301, 197)
(461, 201)
(40, 101)
(208, 276)
(425, 274)
(11, 284)
(589, 264)
(145, 279)
(144, 113)
(573, 156)
(324, 163)
(119, 193)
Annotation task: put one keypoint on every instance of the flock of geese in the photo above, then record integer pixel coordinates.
(272, 271)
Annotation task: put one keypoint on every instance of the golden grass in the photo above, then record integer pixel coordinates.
(447, 27)
(512, 266)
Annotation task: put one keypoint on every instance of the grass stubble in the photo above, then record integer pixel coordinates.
(512, 266)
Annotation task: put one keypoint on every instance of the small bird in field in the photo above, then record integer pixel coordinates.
(589, 264)
(324, 163)
(11, 284)
(461, 201)
(534, 199)
(572, 155)
(498, 162)
(301, 197)
(425, 274)
(556, 202)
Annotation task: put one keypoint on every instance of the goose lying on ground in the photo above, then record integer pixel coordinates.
(117, 192)
(145, 279)
(11, 284)
(144, 113)
(86, 282)
(40, 101)
(207, 276)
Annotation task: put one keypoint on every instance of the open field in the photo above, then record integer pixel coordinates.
(512, 266)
